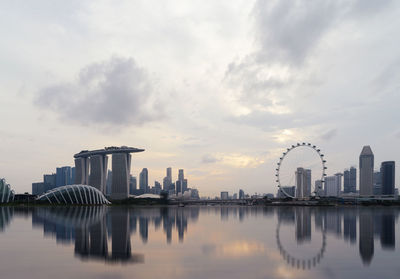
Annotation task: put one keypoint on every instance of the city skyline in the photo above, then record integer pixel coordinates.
(348, 184)
(219, 89)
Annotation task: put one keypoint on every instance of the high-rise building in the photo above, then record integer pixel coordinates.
(98, 172)
(350, 180)
(224, 195)
(339, 182)
(157, 188)
(308, 183)
(144, 180)
(49, 181)
(166, 184)
(181, 175)
(38, 188)
(178, 187)
(109, 182)
(241, 194)
(330, 186)
(302, 180)
(169, 173)
(333, 185)
(132, 185)
(388, 177)
(73, 175)
(377, 188)
(63, 176)
(353, 180)
(121, 168)
(184, 186)
(167, 181)
(81, 170)
(366, 171)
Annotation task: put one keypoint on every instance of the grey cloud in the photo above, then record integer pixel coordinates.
(112, 92)
(209, 159)
(388, 81)
(287, 30)
(329, 135)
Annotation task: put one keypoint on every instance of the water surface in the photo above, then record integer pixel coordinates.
(199, 242)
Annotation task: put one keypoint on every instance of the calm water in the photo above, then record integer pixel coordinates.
(199, 242)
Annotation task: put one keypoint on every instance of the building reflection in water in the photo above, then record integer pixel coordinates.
(330, 221)
(366, 243)
(6, 214)
(301, 218)
(104, 233)
(91, 228)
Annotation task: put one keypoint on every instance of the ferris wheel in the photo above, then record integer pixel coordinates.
(302, 156)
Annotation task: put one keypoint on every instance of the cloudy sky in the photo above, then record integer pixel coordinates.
(219, 88)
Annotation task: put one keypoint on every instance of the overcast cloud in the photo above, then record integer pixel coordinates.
(115, 92)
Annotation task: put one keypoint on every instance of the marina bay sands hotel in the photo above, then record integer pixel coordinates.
(91, 169)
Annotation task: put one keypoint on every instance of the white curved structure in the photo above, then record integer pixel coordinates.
(74, 194)
(6, 194)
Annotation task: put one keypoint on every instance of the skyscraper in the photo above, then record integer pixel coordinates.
(181, 184)
(388, 177)
(109, 182)
(184, 186)
(241, 194)
(308, 183)
(98, 172)
(49, 181)
(169, 173)
(366, 171)
(301, 183)
(353, 180)
(350, 180)
(121, 171)
(132, 185)
(167, 181)
(63, 176)
(338, 182)
(377, 188)
(144, 180)
(332, 185)
(181, 175)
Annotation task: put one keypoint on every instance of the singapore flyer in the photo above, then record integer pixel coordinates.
(301, 171)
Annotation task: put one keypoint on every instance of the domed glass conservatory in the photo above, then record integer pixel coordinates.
(74, 194)
(6, 194)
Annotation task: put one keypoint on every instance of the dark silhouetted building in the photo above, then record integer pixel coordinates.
(241, 194)
(350, 180)
(144, 180)
(388, 177)
(63, 176)
(377, 183)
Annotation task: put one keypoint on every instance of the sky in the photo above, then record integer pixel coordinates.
(218, 88)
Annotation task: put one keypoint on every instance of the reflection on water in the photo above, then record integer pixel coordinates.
(372, 221)
(105, 233)
(90, 228)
